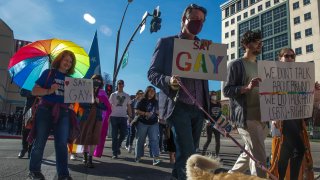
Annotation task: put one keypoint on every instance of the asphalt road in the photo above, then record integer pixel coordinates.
(106, 168)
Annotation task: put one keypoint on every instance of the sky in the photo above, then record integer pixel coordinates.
(33, 20)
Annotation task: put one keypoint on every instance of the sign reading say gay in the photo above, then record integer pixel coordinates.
(78, 90)
(199, 59)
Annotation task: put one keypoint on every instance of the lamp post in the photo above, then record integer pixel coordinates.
(114, 79)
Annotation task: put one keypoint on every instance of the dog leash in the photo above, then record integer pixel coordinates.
(223, 131)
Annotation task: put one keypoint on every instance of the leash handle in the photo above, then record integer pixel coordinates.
(224, 132)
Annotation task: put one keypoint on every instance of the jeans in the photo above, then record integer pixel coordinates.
(119, 125)
(186, 124)
(152, 131)
(162, 131)
(44, 124)
(131, 135)
(211, 130)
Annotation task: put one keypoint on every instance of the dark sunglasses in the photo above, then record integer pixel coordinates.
(120, 83)
(194, 6)
(292, 56)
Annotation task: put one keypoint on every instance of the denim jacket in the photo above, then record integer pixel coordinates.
(232, 89)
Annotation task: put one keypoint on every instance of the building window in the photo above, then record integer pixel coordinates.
(226, 35)
(267, 45)
(279, 12)
(306, 2)
(245, 4)
(232, 33)
(245, 15)
(232, 44)
(226, 24)
(254, 23)
(238, 6)
(280, 26)
(267, 31)
(295, 5)
(233, 8)
(232, 21)
(252, 2)
(239, 18)
(227, 12)
(297, 35)
(298, 51)
(266, 17)
(281, 41)
(309, 48)
(243, 27)
(267, 56)
(308, 32)
(296, 20)
(260, 8)
(252, 11)
(232, 56)
(268, 4)
(275, 1)
(307, 16)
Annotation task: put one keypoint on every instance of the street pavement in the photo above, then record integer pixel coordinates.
(114, 169)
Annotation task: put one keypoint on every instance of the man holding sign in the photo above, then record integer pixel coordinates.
(242, 89)
(183, 116)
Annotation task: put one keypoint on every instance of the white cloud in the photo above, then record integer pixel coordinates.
(29, 19)
(60, 1)
(106, 30)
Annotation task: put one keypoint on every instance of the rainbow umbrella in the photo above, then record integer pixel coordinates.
(30, 61)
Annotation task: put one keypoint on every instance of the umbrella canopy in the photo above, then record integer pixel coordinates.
(26, 66)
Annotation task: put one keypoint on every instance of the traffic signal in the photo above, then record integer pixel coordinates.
(156, 21)
(108, 89)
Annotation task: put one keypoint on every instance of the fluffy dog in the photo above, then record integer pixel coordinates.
(204, 168)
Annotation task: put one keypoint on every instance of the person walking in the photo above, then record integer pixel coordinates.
(242, 89)
(121, 111)
(52, 114)
(215, 113)
(91, 122)
(182, 115)
(148, 112)
(132, 126)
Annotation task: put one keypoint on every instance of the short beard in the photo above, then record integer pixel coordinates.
(256, 53)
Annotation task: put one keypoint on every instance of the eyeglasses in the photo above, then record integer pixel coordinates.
(194, 6)
(120, 83)
(292, 56)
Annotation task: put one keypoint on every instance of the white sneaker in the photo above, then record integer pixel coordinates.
(73, 157)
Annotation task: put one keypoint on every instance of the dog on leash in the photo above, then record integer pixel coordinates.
(204, 168)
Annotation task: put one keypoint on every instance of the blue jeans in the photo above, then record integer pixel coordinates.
(186, 124)
(119, 125)
(153, 134)
(44, 124)
(131, 135)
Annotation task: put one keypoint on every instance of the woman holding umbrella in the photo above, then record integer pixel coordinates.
(52, 114)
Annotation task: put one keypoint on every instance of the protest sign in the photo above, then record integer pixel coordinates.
(199, 59)
(286, 91)
(78, 90)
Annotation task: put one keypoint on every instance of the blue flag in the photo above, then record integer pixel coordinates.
(94, 58)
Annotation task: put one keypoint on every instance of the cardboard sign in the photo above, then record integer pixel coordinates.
(199, 59)
(287, 90)
(78, 90)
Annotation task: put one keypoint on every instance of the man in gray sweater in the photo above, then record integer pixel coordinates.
(242, 89)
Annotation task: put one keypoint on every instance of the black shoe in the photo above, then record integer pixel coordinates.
(90, 164)
(35, 175)
(22, 153)
(85, 158)
(64, 178)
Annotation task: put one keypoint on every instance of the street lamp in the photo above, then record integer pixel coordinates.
(155, 26)
(117, 46)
